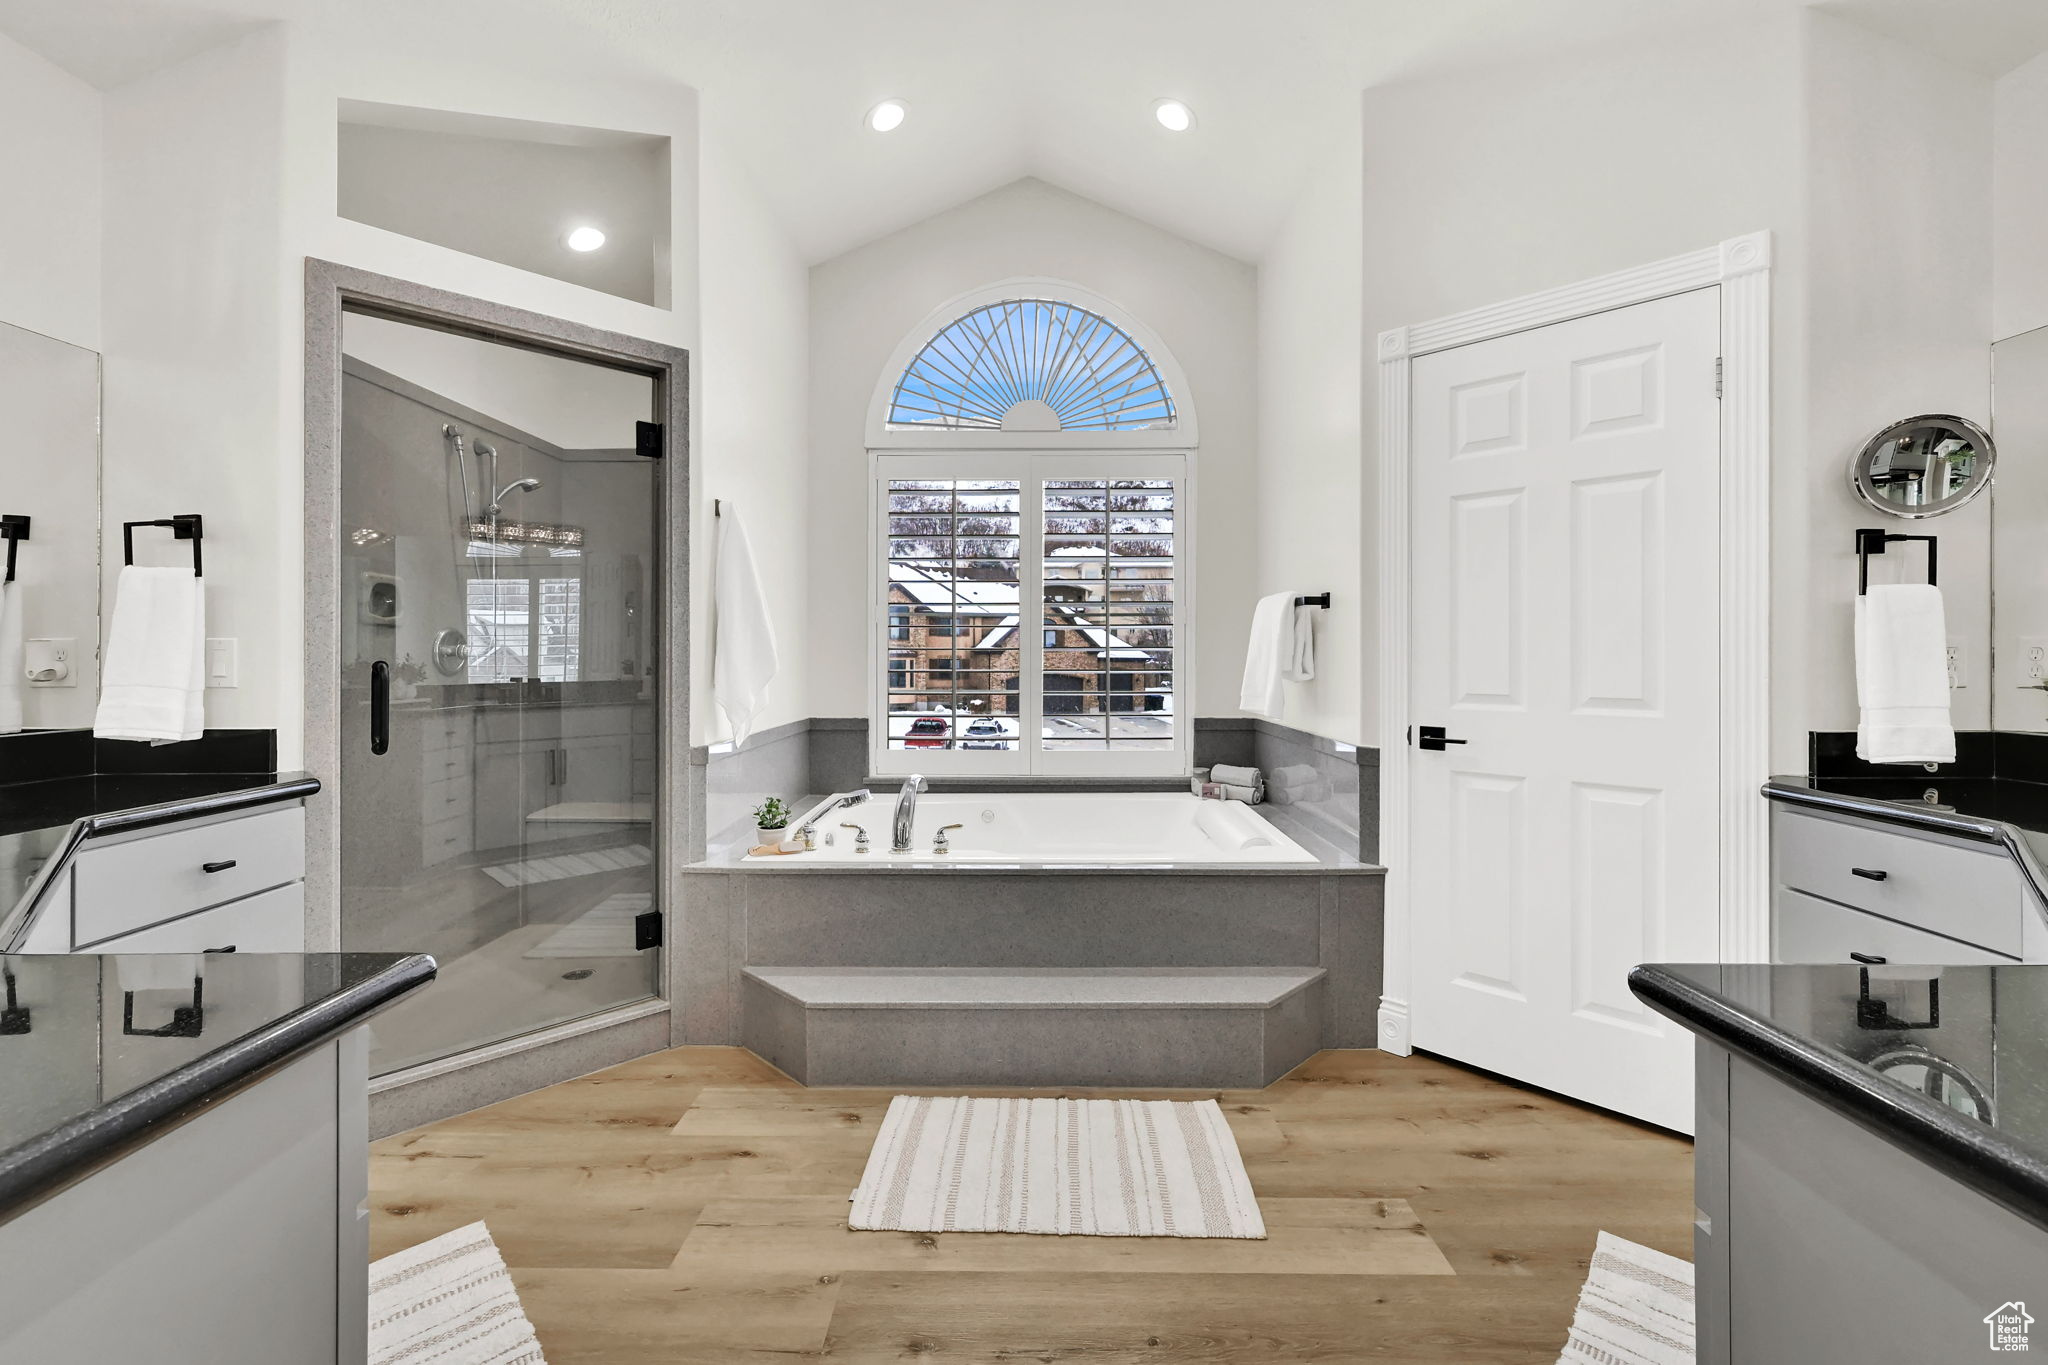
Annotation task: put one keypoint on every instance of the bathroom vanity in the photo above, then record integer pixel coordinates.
(1868, 870)
(1871, 1162)
(154, 862)
(184, 1154)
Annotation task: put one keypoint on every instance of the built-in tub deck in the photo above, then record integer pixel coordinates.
(873, 969)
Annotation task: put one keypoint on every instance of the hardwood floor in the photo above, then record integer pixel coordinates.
(691, 1207)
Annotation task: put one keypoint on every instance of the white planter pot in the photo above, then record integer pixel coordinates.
(770, 837)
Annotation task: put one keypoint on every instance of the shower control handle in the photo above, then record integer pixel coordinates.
(380, 707)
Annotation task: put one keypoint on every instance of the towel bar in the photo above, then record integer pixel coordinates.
(1321, 599)
(190, 526)
(13, 530)
(1873, 542)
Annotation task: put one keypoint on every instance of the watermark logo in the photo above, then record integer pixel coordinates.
(2007, 1325)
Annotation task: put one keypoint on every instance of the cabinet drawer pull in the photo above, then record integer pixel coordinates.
(1869, 874)
(1869, 959)
(217, 867)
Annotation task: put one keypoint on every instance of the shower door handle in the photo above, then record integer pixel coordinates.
(380, 707)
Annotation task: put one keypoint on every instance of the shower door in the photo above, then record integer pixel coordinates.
(499, 719)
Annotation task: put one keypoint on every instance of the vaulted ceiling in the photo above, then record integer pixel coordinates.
(999, 89)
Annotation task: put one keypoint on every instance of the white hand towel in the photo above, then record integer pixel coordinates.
(743, 648)
(1268, 655)
(1902, 676)
(10, 658)
(1301, 646)
(153, 682)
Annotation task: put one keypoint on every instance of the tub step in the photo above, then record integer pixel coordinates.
(1208, 1028)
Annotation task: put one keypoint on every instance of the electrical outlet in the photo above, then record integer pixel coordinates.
(2034, 657)
(1955, 667)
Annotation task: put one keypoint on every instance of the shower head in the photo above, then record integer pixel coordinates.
(516, 486)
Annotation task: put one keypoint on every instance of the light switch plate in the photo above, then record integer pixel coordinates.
(220, 663)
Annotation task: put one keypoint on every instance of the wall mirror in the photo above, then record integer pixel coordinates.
(50, 500)
(2019, 520)
(1923, 466)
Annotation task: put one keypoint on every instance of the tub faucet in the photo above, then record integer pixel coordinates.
(906, 811)
(837, 801)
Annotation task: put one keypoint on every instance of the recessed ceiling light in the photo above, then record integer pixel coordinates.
(888, 116)
(1173, 116)
(585, 238)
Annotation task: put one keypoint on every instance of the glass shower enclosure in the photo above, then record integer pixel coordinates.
(499, 723)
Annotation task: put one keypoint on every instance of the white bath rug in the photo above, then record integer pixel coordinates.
(451, 1302)
(604, 930)
(1087, 1168)
(1636, 1308)
(561, 867)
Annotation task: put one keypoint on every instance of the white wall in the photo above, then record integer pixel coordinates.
(195, 297)
(1484, 185)
(1202, 305)
(753, 422)
(1898, 182)
(2019, 200)
(1312, 457)
(220, 180)
(1870, 163)
(49, 198)
(512, 199)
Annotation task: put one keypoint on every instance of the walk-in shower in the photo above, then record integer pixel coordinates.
(500, 725)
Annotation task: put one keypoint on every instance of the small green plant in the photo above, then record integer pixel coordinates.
(771, 814)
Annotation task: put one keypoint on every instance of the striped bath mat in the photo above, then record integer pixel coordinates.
(1089, 1168)
(449, 1301)
(1636, 1308)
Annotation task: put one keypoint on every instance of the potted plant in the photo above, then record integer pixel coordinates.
(771, 818)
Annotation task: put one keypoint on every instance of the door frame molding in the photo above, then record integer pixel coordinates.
(1741, 268)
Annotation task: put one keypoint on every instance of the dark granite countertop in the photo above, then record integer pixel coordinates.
(1950, 1064)
(41, 823)
(93, 1071)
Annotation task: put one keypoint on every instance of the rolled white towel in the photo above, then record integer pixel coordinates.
(1235, 776)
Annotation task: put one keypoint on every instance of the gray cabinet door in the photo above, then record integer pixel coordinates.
(216, 1244)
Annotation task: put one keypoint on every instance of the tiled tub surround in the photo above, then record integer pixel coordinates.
(1332, 788)
(961, 973)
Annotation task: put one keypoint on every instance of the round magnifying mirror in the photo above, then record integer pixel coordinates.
(1923, 466)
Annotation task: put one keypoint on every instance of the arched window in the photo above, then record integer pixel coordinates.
(1030, 457)
(1031, 365)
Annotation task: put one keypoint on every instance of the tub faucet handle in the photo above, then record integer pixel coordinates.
(939, 841)
(860, 836)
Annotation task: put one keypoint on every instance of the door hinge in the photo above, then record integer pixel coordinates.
(650, 440)
(1717, 376)
(647, 930)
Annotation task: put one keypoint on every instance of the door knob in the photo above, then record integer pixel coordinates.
(1433, 737)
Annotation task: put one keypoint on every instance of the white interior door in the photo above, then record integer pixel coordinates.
(1565, 629)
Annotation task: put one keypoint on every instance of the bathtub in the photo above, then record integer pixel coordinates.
(1037, 829)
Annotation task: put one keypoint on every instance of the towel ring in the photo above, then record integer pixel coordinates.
(1873, 542)
(190, 526)
(14, 530)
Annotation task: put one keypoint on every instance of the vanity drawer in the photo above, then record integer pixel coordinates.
(1807, 929)
(158, 877)
(269, 922)
(1975, 895)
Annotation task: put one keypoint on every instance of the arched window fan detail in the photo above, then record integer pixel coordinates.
(1032, 365)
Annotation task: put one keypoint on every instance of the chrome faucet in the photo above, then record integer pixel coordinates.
(808, 831)
(906, 812)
